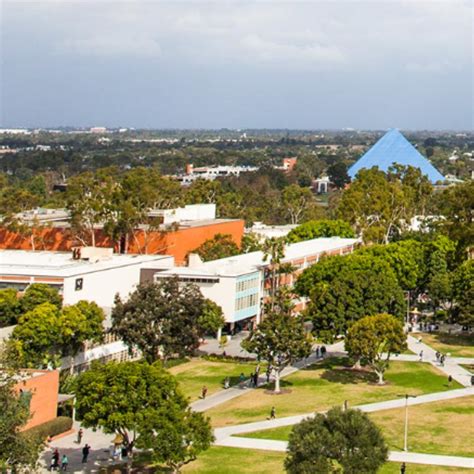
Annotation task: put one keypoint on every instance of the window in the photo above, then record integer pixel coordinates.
(79, 283)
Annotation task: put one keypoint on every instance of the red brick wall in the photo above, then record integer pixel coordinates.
(44, 400)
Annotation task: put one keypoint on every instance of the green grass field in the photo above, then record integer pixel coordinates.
(460, 345)
(434, 428)
(220, 460)
(328, 384)
(193, 375)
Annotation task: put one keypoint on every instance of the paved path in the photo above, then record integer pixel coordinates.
(236, 391)
(451, 366)
(396, 456)
(222, 433)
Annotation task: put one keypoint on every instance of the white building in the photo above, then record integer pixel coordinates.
(238, 284)
(96, 274)
(212, 172)
(264, 231)
(188, 213)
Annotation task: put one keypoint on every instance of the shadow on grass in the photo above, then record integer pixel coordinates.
(349, 376)
(455, 339)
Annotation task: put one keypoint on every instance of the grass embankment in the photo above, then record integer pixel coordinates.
(193, 375)
(458, 345)
(328, 384)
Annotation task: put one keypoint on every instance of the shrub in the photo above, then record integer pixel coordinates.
(54, 427)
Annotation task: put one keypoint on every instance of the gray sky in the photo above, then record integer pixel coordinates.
(262, 64)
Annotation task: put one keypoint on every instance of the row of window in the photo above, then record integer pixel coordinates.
(198, 280)
(247, 284)
(246, 302)
(122, 356)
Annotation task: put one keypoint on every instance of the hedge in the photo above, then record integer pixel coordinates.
(54, 427)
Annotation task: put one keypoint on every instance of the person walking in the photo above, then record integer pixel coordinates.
(403, 468)
(85, 453)
(54, 460)
(442, 359)
(79, 436)
(323, 351)
(421, 356)
(450, 380)
(204, 392)
(437, 356)
(472, 380)
(241, 379)
(255, 379)
(272, 413)
(226, 383)
(317, 352)
(64, 463)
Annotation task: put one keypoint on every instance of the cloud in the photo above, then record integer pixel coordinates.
(112, 46)
(271, 51)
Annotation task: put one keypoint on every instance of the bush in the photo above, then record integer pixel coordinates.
(227, 358)
(54, 427)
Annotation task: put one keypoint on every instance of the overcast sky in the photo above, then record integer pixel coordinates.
(259, 64)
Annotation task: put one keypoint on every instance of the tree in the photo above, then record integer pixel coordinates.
(280, 339)
(296, 201)
(160, 319)
(39, 337)
(143, 404)
(220, 246)
(337, 174)
(273, 250)
(463, 288)
(343, 289)
(10, 307)
(322, 228)
(176, 439)
(80, 323)
(211, 319)
(374, 339)
(250, 243)
(18, 450)
(340, 441)
(39, 293)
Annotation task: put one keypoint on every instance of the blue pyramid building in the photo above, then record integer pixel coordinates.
(394, 148)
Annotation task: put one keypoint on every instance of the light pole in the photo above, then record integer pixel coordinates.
(408, 308)
(405, 443)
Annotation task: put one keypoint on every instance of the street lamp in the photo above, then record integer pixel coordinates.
(408, 308)
(405, 444)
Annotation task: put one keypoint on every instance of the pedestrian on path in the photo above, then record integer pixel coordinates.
(472, 380)
(241, 379)
(85, 453)
(403, 468)
(79, 436)
(437, 356)
(204, 392)
(54, 460)
(323, 351)
(450, 380)
(255, 379)
(421, 356)
(226, 383)
(64, 463)
(442, 359)
(272, 413)
(317, 352)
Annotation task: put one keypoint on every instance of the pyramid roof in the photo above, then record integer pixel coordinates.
(394, 148)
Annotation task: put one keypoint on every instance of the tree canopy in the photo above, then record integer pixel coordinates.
(220, 246)
(280, 339)
(160, 319)
(321, 228)
(374, 339)
(340, 441)
(39, 293)
(143, 404)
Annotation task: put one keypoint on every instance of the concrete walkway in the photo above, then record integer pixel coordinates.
(450, 367)
(396, 456)
(222, 433)
(238, 390)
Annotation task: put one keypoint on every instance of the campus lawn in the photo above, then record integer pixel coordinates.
(219, 460)
(458, 345)
(328, 384)
(445, 427)
(434, 428)
(193, 375)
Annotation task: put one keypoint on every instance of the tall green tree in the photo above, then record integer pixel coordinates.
(374, 339)
(340, 441)
(19, 451)
(160, 319)
(220, 246)
(273, 250)
(337, 173)
(296, 201)
(463, 289)
(280, 339)
(343, 289)
(143, 404)
(39, 293)
(321, 228)
(10, 307)
(211, 318)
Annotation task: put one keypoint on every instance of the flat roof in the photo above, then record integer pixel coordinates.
(251, 262)
(61, 264)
